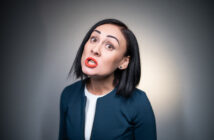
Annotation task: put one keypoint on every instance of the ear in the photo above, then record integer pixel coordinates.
(124, 63)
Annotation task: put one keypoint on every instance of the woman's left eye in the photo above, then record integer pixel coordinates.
(109, 46)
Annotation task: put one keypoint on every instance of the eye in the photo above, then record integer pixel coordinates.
(110, 46)
(93, 39)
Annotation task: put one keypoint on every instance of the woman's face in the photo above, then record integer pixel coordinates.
(104, 51)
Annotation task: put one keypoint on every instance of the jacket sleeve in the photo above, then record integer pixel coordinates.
(145, 124)
(62, 123)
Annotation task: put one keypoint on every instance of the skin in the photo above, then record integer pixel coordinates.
(107, 45)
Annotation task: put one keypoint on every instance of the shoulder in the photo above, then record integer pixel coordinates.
(74, 86)
(139, 95)
(71, 89)
(144, 117)
(143, 108)
(141, 100)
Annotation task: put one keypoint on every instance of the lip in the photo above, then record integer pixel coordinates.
(91, 65)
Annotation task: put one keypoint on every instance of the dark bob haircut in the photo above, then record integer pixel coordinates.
(125, 80)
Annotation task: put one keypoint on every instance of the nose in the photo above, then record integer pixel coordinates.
(96, 50)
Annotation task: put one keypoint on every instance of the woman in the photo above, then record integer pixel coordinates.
(105, 104)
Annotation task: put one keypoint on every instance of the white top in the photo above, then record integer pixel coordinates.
(90, 112)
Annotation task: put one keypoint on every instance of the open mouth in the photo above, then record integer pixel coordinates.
(91, 62)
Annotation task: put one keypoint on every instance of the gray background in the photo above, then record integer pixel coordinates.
(40, 41)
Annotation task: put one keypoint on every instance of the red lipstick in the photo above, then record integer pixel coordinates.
(91, 62)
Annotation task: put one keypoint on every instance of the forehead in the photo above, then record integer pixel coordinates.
(110, 29)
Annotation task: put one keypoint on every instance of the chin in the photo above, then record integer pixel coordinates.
(88, 72)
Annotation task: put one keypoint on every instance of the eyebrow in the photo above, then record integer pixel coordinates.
(109, 36)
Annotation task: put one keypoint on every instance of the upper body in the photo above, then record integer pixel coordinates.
(108, 63)
(116, 118)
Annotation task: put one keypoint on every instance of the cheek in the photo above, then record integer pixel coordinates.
(83, 55)
(86, 49)
(112, 61)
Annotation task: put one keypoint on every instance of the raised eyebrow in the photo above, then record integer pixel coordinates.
(108, 36)
(97, 31)
(114, 38)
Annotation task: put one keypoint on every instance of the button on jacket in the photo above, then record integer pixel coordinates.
(116, 118)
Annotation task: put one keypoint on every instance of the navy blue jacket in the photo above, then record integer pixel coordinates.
(116, 118)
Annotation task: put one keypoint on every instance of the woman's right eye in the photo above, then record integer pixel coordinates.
(93, 39)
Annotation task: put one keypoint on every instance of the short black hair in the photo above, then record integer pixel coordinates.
(125, 80)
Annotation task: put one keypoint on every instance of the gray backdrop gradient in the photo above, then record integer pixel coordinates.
(40, 41)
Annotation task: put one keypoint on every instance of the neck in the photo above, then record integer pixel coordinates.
(100, 86)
